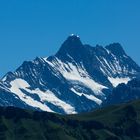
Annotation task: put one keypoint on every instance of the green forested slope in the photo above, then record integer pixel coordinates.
(120, 122)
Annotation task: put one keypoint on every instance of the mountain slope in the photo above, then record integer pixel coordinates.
(111, 123)
(125, 92)
(77, 78)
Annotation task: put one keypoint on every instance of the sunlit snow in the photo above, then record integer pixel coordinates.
(77, 73)
(90, 97)
(116, 81)
(19, 84)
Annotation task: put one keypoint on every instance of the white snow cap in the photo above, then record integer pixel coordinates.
(74, 35)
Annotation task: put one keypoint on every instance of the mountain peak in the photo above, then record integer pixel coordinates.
(73, 35)
(71, 45)
(73, 39)
(116, 48)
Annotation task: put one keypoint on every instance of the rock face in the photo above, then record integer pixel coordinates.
(125, 92)
(77, 78)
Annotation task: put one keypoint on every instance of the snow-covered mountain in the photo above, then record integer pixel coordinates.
(77, 78)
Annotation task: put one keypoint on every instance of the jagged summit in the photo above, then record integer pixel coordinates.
(73, 45)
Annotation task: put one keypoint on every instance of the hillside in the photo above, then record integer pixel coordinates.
(112, 123)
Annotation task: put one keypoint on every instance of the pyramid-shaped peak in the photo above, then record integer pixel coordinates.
(72, 41)
(73, 38)
(71, 45)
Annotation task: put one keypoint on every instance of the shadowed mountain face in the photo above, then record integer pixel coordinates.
(125, 92)
(77, 78)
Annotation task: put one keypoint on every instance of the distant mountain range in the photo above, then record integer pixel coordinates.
(78, 78)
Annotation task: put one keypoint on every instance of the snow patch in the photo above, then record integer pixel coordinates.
(90, 97)
(48, 96)
(116, 81)
(73, 72)
(74, 35)
(18, 84)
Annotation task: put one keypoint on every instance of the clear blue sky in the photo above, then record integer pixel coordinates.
(30, 28)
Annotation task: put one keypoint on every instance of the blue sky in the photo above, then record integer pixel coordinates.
(30, 28)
